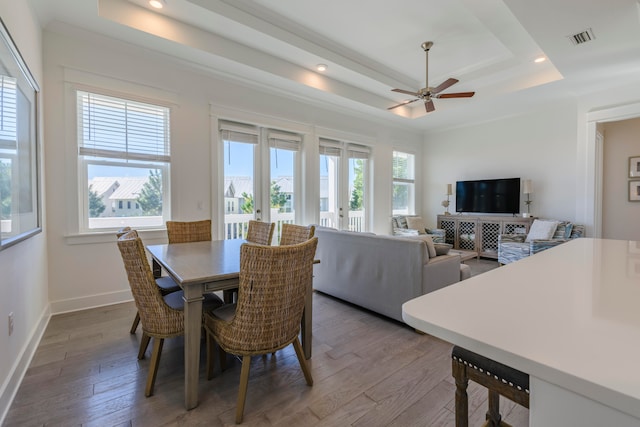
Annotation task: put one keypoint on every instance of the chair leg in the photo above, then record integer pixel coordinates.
(223, 358)
(242, 389)
(210, 355)
(462, 400)
(153, 366)
(136, 322)
(144, 343)
(303, 362)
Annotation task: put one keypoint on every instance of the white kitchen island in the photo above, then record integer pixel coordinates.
(568, 316)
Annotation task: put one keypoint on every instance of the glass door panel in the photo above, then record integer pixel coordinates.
(239, 188)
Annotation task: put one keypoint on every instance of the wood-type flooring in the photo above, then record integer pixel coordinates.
(367, 370)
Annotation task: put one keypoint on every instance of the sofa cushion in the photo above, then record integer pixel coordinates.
(442, 248)
(541, 230)
(416, 223)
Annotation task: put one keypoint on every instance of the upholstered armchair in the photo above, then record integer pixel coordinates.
(412, 225)
(513, 247)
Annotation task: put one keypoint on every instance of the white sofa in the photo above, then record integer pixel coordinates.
(379, 273)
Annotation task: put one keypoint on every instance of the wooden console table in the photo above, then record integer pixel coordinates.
(479, 233)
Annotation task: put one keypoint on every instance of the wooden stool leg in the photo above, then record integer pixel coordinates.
(462, 400)
(493, 414)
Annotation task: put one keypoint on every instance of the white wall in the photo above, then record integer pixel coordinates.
(87, 272)
(23, 267)
(540, 146)
(619, 216)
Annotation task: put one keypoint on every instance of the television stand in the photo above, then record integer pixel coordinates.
(479, 233)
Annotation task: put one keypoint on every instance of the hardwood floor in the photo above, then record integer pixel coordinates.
(367, 371)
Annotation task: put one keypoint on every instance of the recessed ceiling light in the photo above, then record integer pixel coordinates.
(158, 4)
(321, 67)
(539, 59)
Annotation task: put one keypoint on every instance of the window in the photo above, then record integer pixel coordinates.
(124, 155)
(19, 192)
(403, 183)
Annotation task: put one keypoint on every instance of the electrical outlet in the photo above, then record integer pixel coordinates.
(10, 323)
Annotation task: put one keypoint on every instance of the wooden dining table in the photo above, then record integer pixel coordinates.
(199, 268)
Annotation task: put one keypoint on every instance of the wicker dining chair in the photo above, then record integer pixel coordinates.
(161, 316)
(189, 231)
(273, 284)
(260, 232)
(166, 284)
(292, 234)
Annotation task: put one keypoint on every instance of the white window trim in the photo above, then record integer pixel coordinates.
(413, 181)
(79, 80)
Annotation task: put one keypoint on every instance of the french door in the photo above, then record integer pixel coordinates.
(260, 177)
(343, 185)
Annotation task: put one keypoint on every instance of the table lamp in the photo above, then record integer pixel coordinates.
(527, 189)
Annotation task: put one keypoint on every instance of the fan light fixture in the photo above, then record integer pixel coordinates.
(428, 93)
(158, 4)
(321, 67)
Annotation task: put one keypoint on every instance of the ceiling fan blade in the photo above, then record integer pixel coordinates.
(403, 103)
(456, 95)
(406, 92)
(444, 85)
(428, 105)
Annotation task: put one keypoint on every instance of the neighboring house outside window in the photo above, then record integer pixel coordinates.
(124, 158)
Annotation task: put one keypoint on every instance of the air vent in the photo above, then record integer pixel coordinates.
(582, 37)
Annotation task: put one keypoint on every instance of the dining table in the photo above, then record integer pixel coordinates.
(204, 267)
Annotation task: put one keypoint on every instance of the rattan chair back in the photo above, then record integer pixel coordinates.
(260, 232)
(157, 318)
(189, 231)
(274, 281)
(292, 234)
(122, 232)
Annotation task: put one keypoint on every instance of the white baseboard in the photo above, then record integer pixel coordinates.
(19, 368)
(92, 301)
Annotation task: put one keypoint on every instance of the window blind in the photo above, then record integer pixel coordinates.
(355, 151)
(238, 132)
(8, 87)
(330, 147)
(284, 141)
(403, 166)
(120, 128)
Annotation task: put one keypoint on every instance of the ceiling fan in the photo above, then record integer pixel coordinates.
(427, 93)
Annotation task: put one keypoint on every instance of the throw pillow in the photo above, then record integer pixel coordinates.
(416, 223)
(431, 248)
(541, 230)
(442, 248)
(567, 231)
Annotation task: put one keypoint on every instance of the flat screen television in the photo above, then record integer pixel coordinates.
(488, 196)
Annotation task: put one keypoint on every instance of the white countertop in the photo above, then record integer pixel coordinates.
(569, 315)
